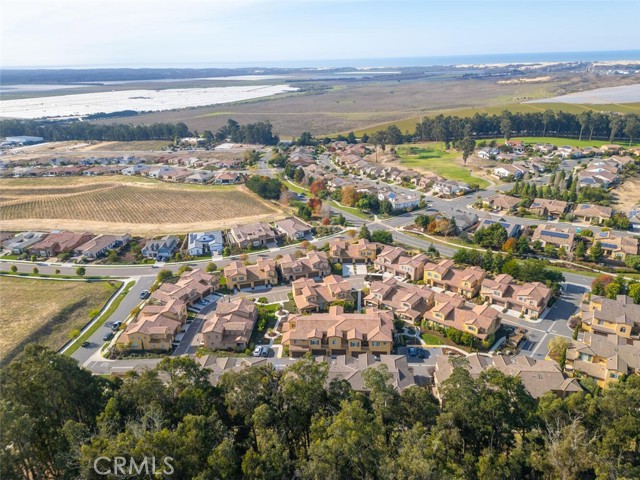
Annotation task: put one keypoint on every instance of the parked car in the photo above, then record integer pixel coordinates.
(108, 336)
(422, 353)
(144, 294)
(116, 326)
(85, 344)
(412, 351)
(257, 352)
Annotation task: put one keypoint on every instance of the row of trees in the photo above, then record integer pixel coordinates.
(258, 133)
(589, 125)
(294, 423)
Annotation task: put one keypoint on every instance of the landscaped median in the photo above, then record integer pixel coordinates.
(97, 322)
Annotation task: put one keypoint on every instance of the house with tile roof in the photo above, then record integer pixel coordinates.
(553, 235)
(339, 333)
(465, 282)
(315, 264)
(544, 207)
(229, 326)
(616, 246)
(345, 251)
(604, 316)
(538, 376)
(529, 298)
(481, 321)
(262, 273)
(293, 228)
(253, 235)
(588, 212)
(396, 260)
(407, 301)
(312, 295)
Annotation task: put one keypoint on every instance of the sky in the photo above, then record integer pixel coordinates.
(138, 33)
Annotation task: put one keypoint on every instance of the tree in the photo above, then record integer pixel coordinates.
(493, 236)
(211, 267)
(580, 250)
(382, 236)
(13, 269)
(35, 271)
(632, 127)
(80, 271)
(596, 251)
(351, 137)
(509, 246)
(164, 275)
(364, 232)
(600, 283)
(505, 127)
(304, 212)
(468, 146)
(349, 196)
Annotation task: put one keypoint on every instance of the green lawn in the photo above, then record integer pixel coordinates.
(430, 156)
(567, 141)
(431, 339)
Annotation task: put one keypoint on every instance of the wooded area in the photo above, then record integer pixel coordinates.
(279, 424)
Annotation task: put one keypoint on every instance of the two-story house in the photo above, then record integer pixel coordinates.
(312, 295)
(314, 264)
(444, 275)
(229, 326)
(529, 298)
(238, 275)
(344, 251)
(407, 301)
(162, 249)
(339, 333)
(397, 261)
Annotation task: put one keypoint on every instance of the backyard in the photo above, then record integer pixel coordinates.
(46, 311)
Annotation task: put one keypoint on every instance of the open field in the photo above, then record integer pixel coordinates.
(115, 205)
(568, 141)
(431, 157)
(627, 195)
(46, 311)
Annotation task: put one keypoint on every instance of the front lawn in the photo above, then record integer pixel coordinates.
(431, 339)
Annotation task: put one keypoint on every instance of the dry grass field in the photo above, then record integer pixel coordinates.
(45, 311)
(357, 105)
(627, 195)
(117, 205)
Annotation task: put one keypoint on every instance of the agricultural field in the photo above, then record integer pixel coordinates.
(46, 311)
(431, 157)
(116, 205)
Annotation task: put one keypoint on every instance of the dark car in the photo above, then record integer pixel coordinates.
(85, 344)
(108, 336)
(116, 326)
(412, 351)
(422, 353)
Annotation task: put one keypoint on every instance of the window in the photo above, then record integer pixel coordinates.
(623, 329)
(334, 342)
(354, 344)
(314, 342)
(375, 344)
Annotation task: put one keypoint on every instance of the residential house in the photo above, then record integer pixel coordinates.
(161, 249)
(407, 301)
(205, 243)
(538, 376)
(605, 359)
(228, 178)
(23, 241)
(199, 176)
(397, 261)
(59, 242)
(488, 152)
(588, 212)
(529, 298)
(154, 333)
(611, 149)
(596, 178)
(190, 288)
(400, 200)
(253, 235)
(509, 170)
(616, 246)
(100, 245)
(310, 295)
(513, 229)
(315, 264)
(464, 282)
(293, 228)
(481, 321)
(344, 251)
(229, 326)
(544, 207)
(339, 333)
(555, 236)
(619, 317)
(502, 202)
(427, 180)
(451, 187)
(137, 169)
(238, 275)
(159, 171)
(464, 219)
(544, 148)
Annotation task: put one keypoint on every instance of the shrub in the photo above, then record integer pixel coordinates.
(13, 269)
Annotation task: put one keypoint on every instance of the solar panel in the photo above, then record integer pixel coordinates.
(554, 234)
(612, 246)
